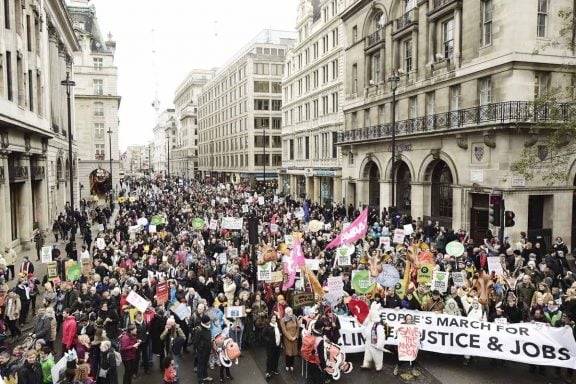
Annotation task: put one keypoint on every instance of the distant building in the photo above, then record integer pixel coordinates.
(37, 43)
(185, 157)
(97, 103)
(311, 105)
(165, 139)
(134, 160)
(240, 113)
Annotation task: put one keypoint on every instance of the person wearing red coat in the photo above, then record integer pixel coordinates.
(69, 330)
(128, 348)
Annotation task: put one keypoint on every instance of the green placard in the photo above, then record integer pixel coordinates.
(425, 273)
(400, 288)
(157, 220)
(362, 283)
(198, 223)
(74, 272)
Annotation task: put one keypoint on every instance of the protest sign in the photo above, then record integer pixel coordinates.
(233, 252)
(302, 299)
(213, 224)
(344, 253)
(46, 255)
(181, 310)
(388, 277)
(162, 293)
(58, 370)
(315, 225)
(137, 301)
(276, 277)
(385, 241)
(400, 288)
(408, 342)
(494, 265)
(289, 240)
(52, 270)
(152, 228)
(222, 258)
(273, 228)
(455, 248)
(265, 272)
(157, 220)
(440, 281)
(100, 243)
(235, 311)
(335, 285)
(73, 272)
(198, 223)
(399, 236)
(313, 264)
(352, 337)
(362, 282)
(425, 273)
(232, 223)
(458, 279)
(100, 227)
(260, 200)
(86, 266)
(134, 228)
(245, 208)
(408, 229)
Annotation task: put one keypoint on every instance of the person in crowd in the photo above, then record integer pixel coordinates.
(128, 349)
(108, 371)
(203, 342)
(272, 336)
(290, 326)
(31, 371)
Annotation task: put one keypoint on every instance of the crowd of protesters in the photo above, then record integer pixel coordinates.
(90, 323)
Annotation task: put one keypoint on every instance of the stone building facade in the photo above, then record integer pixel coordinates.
(468, 73)
(240, 113)
(311, 104)
(37, 42)
(185, 159)
(165, 139)
(97, 102)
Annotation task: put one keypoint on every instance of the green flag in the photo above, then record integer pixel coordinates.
(157, 220)
(74, 272)
(198, 223)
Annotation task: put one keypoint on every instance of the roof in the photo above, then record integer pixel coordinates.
(85, 22)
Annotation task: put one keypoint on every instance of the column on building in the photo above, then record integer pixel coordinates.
(41, 194)
(25, 218)
(457, 36)
(309, 183)
(458, 207)
(385, 194)
(316, 198)
(562, 220)
(361, 193)
(337, 194)
(417, 199)
(5, 228)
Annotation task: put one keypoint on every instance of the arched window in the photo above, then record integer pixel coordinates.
(374, 55)
(403, 188)
(441, 190)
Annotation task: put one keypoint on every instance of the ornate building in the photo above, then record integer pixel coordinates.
(97, 103)
(37, 42)
(240, 113)
(465, 75)
(311, 104)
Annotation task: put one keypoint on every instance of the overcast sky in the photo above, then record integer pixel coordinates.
(188, 34)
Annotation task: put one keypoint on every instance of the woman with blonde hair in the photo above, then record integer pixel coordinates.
(83, 348)
(49, 312)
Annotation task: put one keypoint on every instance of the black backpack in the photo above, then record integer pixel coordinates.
(178, 345)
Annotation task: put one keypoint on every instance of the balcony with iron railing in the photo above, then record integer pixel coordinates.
(374, 38)
(37, 172)
(442, 8)
(406, 20)
(441, 3)
(18, 173)
(507, 112)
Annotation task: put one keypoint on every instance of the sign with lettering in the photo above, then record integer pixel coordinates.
(408, 342)
(302, 299)
(46, 254)
(232, 223)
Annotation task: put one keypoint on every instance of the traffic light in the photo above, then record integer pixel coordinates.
(494, 210)
(509, 218)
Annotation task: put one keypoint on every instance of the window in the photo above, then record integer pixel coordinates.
(307, 148)
(28, 33)
(430, 103)
(7, 14)
(334, 147)
(542, 25)
(325, 74)
(9, 75)
(408, 55)
(354, 78)
(485, 91)
(99, 151)
(541, 84)
(276, 105)
(276, 123)
(354, 34)
(448, 38)
(99, 131)
(315, 78)
(261, 104)
(324, 105)
(455, 97)
(375, 69)
(335, 69)
(276, 87)
(276, 142)
(334, 38)
(487, 22)
(261, 68)
(98, 109)
(315, 109)
(292, 149)
(261, 122)
(335, 105)
(413, 107)
(381, 115)
(307, 111)
(98, 87)
(261, 86)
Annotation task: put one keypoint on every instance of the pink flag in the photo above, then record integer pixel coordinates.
(355, 231)
(295, 259)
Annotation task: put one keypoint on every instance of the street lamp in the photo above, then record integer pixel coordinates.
(109, 132)
(69, 84)
(393, 80)
(168, 154)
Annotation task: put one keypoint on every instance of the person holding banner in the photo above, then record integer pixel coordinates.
(407, 349)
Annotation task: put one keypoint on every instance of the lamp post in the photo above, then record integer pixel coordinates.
(109, 132)
(393, 80)
(69, 84)
(168, 154)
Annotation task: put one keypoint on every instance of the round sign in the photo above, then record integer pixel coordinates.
(388, 277)
(315, 225)
(362, 283)
(198, 223)
(142, 221)
(455, 248)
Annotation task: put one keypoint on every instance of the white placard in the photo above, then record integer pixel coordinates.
(265, 272)
(234, 223)
(235, 311)
(335, 285)
(275, 201)
(213, 224)
(385, 241)
(244, 208)
(458, 278)
(137, 301)
(289, 240)
(152, 228)
(273, 228)
(46, 254)
(408, 229)
(100, 243)
(440, 281)
(233, 252)
(182, 311)
(399, 236)
(313, 264)
(260, 200)
(494, 265)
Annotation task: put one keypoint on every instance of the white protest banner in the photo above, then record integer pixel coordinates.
(494, 265)
(352, 337)
(522, 342)
(260, 200)
(222, 259)
(408, 229)
(152, 228)
(134, 228)
(265, 272)
(59, 369)
(458, 279)
(440, 281)
(181, 310)
(100, 243)
(46, 255)
(235, 311)
(385, 241)
(232, 223)
(408, 342)
(233, 252)
(213, 224)
(399, 236)
(335, 285)
(137, 301)
(244, 208)
(313, 264)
